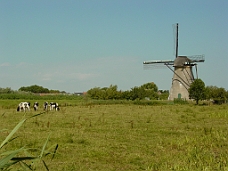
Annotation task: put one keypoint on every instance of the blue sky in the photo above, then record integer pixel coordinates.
(76, 45)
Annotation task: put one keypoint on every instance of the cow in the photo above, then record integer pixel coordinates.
(23, 106)
(45, 105)
(35, 106)
(54, 106)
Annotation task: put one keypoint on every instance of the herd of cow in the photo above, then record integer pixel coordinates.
(25, 106)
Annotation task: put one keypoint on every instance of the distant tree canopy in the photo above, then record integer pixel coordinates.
(148, 90)
(38, 89)
(150, 86)
(198, 91)
(218, 95)
(34, 89)
(6, 90)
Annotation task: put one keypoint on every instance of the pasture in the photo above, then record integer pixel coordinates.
(122, 136)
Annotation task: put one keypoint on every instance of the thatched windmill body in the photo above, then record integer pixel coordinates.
(182, 71)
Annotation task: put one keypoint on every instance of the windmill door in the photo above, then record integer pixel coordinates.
(179, 95)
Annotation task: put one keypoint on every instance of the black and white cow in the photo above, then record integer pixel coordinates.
(35, 106)
(23, 106)
(54, 106)
(45, 105)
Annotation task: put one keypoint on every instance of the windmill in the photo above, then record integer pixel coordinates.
(182, 71)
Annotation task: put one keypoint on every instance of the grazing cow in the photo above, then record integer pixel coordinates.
(54, 106)
(35, 106)
(23, 106)
(45, 105)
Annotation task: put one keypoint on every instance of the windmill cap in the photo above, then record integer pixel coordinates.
(181, 61)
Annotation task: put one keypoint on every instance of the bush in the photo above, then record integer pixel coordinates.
(180, 101)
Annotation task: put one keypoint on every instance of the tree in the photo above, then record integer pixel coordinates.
(209, 90)
(151, 90)
(137, 93)
(6, 90)
(94, 92)
(163, 94)
(126, 95)
(226, 94)
(111, 92)
(197, 90)
(150, 86)
(34, 89)
(218, 95)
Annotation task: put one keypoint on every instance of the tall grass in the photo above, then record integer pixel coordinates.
(9, 158)
(123, 136)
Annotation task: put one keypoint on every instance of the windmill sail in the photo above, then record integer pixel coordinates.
(197, 58)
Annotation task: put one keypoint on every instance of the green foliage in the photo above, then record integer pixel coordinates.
(6, 90)
(197, 90)
(126, 95)
(150, 86)
(138, 93)
(180, 101)
(17, 95)
(105, 93)
(39, 89)
(163, 95)
(34, 89)
(148, 90)
(218, 95)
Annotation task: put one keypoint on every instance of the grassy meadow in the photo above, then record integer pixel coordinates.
(121, 136)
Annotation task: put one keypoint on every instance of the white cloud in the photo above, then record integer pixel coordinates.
(125, 72)
(6, 64)
(46, 75)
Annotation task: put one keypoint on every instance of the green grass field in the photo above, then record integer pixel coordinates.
(122, 136)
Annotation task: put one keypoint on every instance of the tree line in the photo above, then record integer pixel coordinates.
(39, 89)
(149, 91)
(146, 91)
(198, 91)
